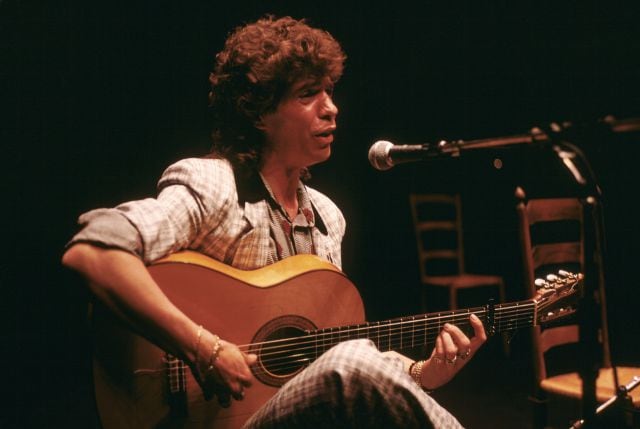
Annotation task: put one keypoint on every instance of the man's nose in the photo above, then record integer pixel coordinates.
(329, 109)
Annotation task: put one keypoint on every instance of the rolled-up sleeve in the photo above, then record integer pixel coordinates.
(190, 202)
(108, 228)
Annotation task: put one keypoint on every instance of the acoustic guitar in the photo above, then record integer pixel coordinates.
(288, 314)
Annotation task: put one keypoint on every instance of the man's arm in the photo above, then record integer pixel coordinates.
(122, 282)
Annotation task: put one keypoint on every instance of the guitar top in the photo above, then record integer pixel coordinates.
(287, 313)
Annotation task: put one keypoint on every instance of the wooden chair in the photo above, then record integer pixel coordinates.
(437, 219)
(552, 238)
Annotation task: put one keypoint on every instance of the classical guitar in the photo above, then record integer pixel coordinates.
(288, 313)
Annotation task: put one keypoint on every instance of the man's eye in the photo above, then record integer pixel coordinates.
(307, 93)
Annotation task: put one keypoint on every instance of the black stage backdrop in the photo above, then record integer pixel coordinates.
(102, 96)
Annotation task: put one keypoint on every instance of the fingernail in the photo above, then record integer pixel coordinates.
(474, 317)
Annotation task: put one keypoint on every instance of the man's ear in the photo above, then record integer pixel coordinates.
(259, 124)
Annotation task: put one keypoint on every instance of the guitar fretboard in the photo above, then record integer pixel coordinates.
(395, 334)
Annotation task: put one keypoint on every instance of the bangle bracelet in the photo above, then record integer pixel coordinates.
(197, 372)
(415, 371)
(199, 334)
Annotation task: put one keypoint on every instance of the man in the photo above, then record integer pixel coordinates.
(246, 205)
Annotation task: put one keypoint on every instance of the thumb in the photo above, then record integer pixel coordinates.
(250, 358)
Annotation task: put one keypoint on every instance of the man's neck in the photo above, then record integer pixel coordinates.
(284, 185)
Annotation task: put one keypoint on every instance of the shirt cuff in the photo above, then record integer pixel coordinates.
(108, 228)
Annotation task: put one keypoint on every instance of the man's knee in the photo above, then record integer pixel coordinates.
(358, 364)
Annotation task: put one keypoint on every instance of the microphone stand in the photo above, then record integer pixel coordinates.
(588, 312)
(536, 135)
(622, 395)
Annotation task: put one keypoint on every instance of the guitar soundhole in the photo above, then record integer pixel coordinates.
(282, 349)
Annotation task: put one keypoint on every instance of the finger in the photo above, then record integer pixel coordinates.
(438, 351)
(250, 358)
(480, 336)
(224, 398)
(235, 388)
(450, 348)
(464, 355)
(459, 338)
(244, 376)
(237, 391)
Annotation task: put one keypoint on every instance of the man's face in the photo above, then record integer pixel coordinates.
(300, 131)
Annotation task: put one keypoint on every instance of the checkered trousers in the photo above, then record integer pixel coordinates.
(352, 385)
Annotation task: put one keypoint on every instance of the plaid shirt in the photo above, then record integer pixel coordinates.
(199, 207)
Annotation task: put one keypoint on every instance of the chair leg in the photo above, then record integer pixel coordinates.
(540, 416)
(453, 298)
(423, 300)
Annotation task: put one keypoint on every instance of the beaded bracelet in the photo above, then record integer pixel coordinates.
(215, 351)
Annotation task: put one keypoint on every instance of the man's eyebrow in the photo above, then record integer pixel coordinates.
(308, 84)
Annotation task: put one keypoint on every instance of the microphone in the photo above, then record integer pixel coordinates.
(383, 154)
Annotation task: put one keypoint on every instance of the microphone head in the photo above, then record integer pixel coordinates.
(379, 155)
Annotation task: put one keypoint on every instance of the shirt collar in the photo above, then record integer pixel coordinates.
(304, 202)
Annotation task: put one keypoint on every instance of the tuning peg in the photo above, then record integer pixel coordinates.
(552, 277)
(564, 273)
(540, 282)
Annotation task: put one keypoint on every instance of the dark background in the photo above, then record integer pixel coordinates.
(102, 96)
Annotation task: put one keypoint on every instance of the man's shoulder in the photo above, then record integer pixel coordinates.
(199, 169)
(204, 164)
(209, 177)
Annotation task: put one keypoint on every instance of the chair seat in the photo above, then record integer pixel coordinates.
(570, 384)
(464, 280)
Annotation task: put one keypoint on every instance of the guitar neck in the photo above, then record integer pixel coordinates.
(423, 329)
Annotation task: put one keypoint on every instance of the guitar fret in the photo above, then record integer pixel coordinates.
(414, 327)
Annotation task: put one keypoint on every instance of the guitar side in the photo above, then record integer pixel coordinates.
(130, 374)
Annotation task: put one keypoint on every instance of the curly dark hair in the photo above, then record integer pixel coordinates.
(259, 62)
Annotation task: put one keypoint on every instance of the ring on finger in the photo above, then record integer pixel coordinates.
(451, 361)
(465, 354)
(437, 359)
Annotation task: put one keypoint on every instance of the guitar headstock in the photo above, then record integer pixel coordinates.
(556, 296)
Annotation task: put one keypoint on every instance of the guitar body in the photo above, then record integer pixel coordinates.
(288, 314)
(131, 374)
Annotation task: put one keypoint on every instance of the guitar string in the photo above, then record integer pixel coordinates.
(500, 314)
(383, 330)
(288, 363)
(427, 327)
(439, 320)
(392, 341)
(318, 338)
(382, 334)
